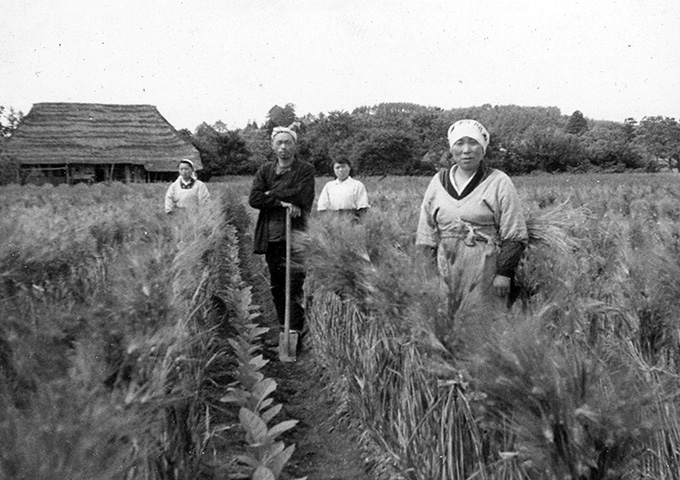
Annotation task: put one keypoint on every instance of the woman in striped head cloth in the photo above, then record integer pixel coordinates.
(471, 219)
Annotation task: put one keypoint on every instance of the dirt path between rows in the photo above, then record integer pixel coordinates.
(327, 444)
(326, 447)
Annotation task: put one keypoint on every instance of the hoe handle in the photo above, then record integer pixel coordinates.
(286, 323)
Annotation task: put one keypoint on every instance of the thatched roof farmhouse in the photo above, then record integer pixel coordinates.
(72, 142)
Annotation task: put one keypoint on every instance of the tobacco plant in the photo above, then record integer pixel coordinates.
(251, 391)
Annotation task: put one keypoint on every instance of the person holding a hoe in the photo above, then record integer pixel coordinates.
(283, 192)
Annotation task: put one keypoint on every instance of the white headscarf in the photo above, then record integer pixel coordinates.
(287, 130)
(186, 160)
(469, 128)
(193, 170)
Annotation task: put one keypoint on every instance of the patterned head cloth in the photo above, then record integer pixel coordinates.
(469, 128)
(287, 130)
(188, 162)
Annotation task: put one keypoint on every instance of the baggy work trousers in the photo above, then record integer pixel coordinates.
(473, 307)
(276, 262)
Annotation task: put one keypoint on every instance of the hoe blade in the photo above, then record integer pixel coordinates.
(288, 346)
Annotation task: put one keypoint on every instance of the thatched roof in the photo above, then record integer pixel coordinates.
(91, 133)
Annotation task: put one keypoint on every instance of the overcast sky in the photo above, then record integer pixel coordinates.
(232, 60)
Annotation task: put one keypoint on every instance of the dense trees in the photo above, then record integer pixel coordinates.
(607, 147)
(405, 138)
(548, 150)
(223, 152)
(329, 136)
(9, 120)
(280, 116)
(385, 151)
(409, 139)
(577, 124)
(659, 138)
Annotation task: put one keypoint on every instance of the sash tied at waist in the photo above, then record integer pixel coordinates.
(470, 233)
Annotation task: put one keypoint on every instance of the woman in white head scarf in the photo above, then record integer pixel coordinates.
(187, 192)
(472, 220)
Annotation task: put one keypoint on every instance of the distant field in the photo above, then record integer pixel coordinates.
(590, 189)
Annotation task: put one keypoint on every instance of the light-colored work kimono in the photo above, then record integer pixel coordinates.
(179, 197)
(469, 232)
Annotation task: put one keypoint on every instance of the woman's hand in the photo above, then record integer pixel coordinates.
(501, 285)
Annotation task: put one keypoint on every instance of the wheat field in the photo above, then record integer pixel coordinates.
(114, 356)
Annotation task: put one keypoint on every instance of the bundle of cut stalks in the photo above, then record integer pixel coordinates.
(553, 227)
(335, 254)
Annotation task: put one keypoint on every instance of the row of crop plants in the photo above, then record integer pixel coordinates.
(115, 353)
(579, 382)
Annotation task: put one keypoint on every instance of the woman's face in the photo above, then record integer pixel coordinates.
(341, 171)
(467, 154)
(185, 171)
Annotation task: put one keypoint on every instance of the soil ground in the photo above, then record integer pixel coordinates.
(327, 445)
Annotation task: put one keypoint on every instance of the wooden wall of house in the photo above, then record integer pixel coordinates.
(41, 174)
(82, 173)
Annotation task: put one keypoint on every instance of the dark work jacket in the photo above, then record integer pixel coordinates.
(295, 186)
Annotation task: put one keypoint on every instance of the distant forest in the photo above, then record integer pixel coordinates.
(410, 139)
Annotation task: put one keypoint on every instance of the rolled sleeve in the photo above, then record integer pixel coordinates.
(427, 233)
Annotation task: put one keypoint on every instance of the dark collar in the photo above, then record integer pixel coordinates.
(280, 171)
(445, 179)
(186, 185)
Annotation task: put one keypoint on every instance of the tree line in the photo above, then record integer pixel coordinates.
(410, 139)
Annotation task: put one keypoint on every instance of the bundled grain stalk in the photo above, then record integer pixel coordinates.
(553, 228)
